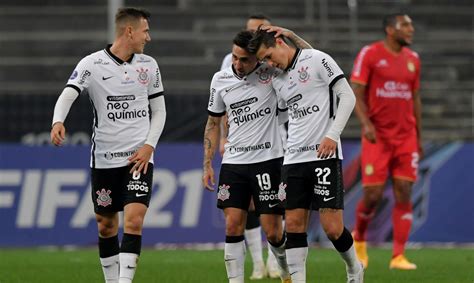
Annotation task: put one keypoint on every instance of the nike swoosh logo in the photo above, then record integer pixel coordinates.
(328, 199)
(230, 259)
(106, 78)
(139, 195)
(272, 205)
(130, 267)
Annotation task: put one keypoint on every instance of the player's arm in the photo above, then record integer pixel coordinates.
(61, 109)
(293, 37)
(211, 141)
(224, 134)
(158, 118)
(417, 111)
(368, 128)
(347, 100)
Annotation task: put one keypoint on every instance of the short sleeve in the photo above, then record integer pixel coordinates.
(327, 68)
(155, 87)
(216, 105)
(81, 76)
(361, 70)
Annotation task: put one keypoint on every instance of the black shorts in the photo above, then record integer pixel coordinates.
(313, 185)
(239, 182)
(113, 188)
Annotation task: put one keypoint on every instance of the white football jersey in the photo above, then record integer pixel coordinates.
(119, 92)
(251, 106)
(305, 89)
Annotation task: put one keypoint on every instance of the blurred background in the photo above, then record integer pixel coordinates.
(45, 192)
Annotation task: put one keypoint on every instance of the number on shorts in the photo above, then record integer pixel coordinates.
(264, 181)
(415, 157)
(326, 171)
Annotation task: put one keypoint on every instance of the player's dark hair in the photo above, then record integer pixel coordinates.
(391, 20)
(259, 17)
(242, 39)
(261, 37)
(129, 13)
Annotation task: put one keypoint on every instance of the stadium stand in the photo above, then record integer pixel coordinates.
(41, 41)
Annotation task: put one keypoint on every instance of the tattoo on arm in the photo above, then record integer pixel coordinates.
(299, 42)
(211, 139)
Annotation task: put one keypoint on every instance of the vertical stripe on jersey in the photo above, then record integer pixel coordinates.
(94, 125)
(332, 104)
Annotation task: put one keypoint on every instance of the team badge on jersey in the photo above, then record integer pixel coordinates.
(411, 66)
(104, 198)
(282, 191)
(223, 193)
(73, 75)
(264, 76)
(304, 76)
(143, 76)
(369, 169)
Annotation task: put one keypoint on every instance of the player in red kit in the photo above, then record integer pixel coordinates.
(386, 80)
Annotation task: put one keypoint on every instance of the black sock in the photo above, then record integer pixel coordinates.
(296, 240)
(108, 246)
(131, 244)
(234, 239)
(344, 242)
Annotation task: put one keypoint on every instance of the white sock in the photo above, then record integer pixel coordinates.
(110, 267)
(128, 266)
(234, 256)
(271, 256)
(296, 258)
(254, 243)
(350, 258)
(280, 256)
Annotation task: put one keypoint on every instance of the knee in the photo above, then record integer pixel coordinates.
(372, 197)
(106, 227)
(234, 227)
(273, 237)
(294, 225)
(133, 224)
(333, 232)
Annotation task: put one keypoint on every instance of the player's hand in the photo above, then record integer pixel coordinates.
(208, 176)
(222, 143)
(279, 30)
(369, 132)
(58, 133)
(140, 158)
(327, 148)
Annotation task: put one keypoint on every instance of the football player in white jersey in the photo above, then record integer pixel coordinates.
(308, 86)
(252, 159)
(124, 85)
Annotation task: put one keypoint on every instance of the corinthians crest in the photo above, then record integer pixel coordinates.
(304, 76)
(104, 198)
(264, 76)
(282, 192)
(143, 76)
(223, 193)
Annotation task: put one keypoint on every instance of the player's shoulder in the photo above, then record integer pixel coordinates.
(411, 53)
(222, 77)
(94, 58)
(143, 58)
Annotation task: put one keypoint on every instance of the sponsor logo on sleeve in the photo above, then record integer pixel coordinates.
(327, 67)
(73, 75)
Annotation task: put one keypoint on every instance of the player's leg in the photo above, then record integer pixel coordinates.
(136, 194)
(233, 196)
(333, 225)
(109, 249)
(404, 172)
(328, 198)
(253, 237)
(107, 201)
(234, 249)
(272, 226)
(374, 166)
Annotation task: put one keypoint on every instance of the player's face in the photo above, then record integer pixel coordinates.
(243, 62)
(140, 36)
(275, 56)
(404, 30)
(253, 24)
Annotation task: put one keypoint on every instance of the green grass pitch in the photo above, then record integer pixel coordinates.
(323, 265)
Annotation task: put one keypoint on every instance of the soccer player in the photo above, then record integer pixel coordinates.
(253, 234)
(252, 160)
(385, 80)
(253, 230)
(308, 87)
(123, 85)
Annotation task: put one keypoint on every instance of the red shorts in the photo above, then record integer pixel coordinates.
(379, 159)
